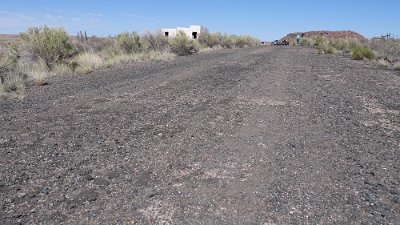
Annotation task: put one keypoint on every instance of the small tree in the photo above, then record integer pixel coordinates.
(48, 44)
(129, 42)
(182, 45)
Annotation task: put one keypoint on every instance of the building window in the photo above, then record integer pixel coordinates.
(166, 34)
(194, 35)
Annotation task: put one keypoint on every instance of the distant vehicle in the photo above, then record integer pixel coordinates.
(278, 42)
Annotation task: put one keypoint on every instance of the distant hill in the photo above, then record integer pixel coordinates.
(9, 37)
(328, 34)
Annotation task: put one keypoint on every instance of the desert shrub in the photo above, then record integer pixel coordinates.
(92, 44)
(5, 63)
(321, 41)
(397, 66)
(63, 68)
(48, 44)
(217, 37)
(345, 45)
(245, 41)
(207, 39)
(142, 56)
(161, 55)
(309, 42)
(352, 44)
(88, 62)
(388, 49)
(120, 59)
(228, 41)
(339, 44)
(182, 45)
(129, 42)
(240, 42)
(361, 53)
(323, 45)
(330, 46)
(36, 71)
(12, 86)
(11, 83)
(155, 41)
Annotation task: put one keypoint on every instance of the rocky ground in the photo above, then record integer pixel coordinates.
(266, 135)
(327, 34)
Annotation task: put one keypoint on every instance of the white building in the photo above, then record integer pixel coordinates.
(192, 32)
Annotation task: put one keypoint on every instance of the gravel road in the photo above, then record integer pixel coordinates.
(265, 135)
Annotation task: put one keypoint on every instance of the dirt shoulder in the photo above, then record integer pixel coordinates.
(245, 136)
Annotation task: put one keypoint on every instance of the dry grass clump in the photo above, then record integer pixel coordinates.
(11, 83)
(397, 66)
(138, 57)
(33, 72)
(12, 86)
(63, 69)
(88, 62)
(388, 49)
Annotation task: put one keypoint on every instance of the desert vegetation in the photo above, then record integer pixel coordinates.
(218, 40)
(385, 52)
(41, 52)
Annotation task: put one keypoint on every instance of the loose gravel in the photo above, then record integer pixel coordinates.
(265, 135)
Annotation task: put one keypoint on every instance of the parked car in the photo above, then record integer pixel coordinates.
(278, 42)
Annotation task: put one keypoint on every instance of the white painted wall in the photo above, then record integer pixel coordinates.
(187, 30)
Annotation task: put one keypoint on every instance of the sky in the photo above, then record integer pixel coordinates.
(266, 20)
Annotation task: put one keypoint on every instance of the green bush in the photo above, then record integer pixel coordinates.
(48, 44)
(129, 42)
(182, 45)
(361, 53)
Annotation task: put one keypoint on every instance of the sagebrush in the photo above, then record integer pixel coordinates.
(48, 44)
(42, 52)
(182, 45)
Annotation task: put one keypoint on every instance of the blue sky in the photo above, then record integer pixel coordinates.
(266, 20)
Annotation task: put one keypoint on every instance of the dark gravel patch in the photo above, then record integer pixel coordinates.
(267, 135)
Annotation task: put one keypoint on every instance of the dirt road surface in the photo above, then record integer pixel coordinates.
(266, 135)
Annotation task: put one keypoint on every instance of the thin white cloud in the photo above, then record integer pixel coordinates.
(14, 21)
